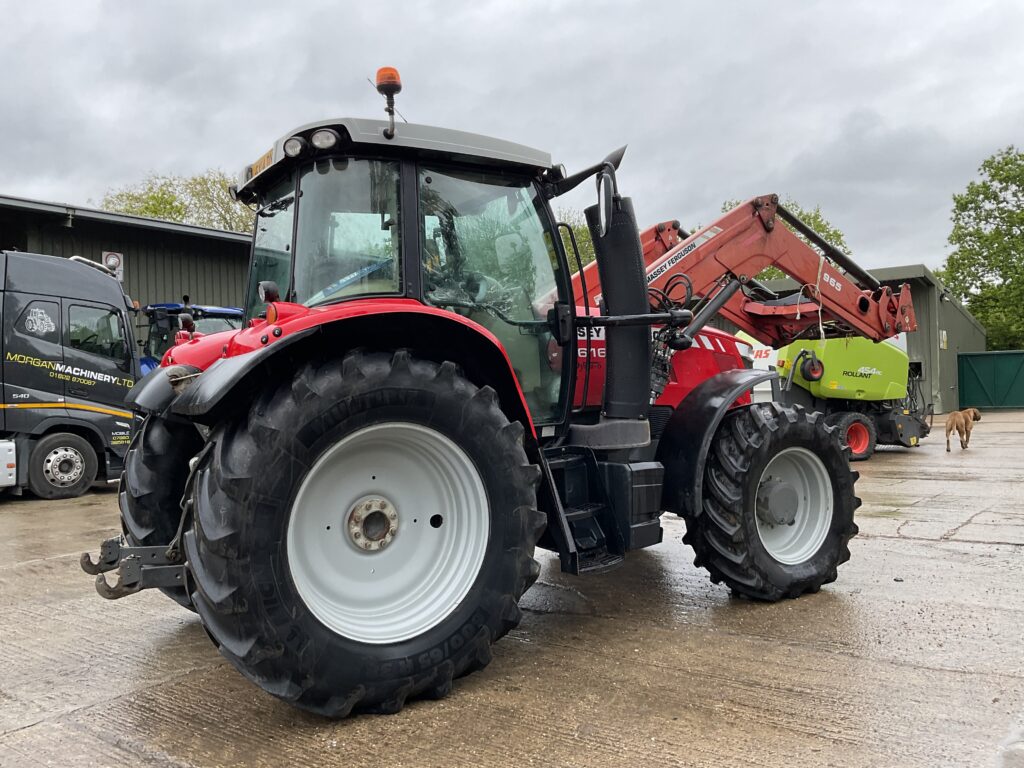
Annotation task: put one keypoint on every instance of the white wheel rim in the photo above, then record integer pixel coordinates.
(63, 467)
(429, 539)
(810, 487)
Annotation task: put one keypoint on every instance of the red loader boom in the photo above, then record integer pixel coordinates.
(719, 262)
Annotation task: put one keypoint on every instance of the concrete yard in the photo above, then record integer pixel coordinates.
(915, 657)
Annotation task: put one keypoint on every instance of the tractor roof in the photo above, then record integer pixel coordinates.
(423, 139)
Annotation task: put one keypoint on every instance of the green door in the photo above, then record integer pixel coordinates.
(991, 379)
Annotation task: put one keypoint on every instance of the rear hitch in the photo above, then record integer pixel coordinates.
(137, 568)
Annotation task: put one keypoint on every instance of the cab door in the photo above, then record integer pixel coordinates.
(98, 365)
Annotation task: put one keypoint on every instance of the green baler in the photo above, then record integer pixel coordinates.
(864, 388)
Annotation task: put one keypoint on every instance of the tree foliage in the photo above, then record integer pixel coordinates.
(201, 200)
(578, 224)
(986, 268)
(813, 218)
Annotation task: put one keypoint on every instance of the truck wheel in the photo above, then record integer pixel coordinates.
(153, 481)
(364, 534)
(857, 431)
(778, 503)
(61, 466)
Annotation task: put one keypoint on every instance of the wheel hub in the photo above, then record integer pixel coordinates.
(372, 523)
(63, 466)
(777, 502)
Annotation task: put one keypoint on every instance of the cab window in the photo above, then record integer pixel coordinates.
(97, 331)
(348, 241)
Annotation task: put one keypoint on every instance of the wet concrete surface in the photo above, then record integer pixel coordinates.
(915, 657)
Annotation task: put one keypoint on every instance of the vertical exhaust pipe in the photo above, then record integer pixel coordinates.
(620, 265)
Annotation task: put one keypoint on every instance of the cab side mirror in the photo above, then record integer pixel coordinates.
(605, 200)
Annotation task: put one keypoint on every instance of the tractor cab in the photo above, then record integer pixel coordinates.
(448, 219)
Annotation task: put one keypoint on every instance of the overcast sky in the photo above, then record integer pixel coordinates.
(878, 112)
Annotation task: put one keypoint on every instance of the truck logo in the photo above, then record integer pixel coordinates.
(38, 322)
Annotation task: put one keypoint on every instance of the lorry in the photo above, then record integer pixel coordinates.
(349, 490)
(68, 362)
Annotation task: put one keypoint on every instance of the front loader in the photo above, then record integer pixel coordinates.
(349, 491)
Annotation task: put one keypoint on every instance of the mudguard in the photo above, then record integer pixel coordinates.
(202, 400)
(687, 437)
(154, 393)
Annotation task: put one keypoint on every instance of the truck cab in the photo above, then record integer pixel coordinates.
(68, 360)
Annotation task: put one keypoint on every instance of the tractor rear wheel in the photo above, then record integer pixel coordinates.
(778, 503)
(364, 534)
(152, 484)
(858, 432)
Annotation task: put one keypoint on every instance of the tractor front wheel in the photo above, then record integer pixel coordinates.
(778, 503)
(364, 534)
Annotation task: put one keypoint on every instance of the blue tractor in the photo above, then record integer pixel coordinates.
(166, 320)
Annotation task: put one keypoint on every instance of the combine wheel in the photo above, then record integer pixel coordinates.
(778, 504)
(364, 534)
(152, 484)
(857, 431)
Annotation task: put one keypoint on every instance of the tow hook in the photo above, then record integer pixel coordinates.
(137, 568)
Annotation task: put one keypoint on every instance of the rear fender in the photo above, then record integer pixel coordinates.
(228, 385)
(685, 443)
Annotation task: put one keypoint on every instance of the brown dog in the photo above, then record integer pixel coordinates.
(963, 423)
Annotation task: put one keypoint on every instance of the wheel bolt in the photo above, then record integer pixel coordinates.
(358, 535)
(392, 515)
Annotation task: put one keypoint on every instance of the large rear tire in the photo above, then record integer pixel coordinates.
(155, 472)
(778, 504)
(364, 534)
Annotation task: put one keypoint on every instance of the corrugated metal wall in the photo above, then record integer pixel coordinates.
(159, 266)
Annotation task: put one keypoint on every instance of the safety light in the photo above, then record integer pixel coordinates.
(325, 138)
(388, 81)
(295, 146)
(271, 313)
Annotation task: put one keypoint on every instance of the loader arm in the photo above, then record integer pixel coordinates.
(837, 297)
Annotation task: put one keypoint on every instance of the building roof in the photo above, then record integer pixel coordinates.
(85, 213)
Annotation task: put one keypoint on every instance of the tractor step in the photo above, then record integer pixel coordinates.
(597, 561)
(137, 568)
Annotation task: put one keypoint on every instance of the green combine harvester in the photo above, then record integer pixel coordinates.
(864, 388)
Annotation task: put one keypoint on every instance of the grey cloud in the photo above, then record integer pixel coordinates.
(877, 112)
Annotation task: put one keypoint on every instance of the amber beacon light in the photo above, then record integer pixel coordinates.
(388, 84)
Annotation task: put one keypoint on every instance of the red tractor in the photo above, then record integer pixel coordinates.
(349, 490)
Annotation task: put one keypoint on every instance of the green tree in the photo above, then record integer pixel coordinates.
(813, 218)
(201, 200)
(578, 224)
(986, 268)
